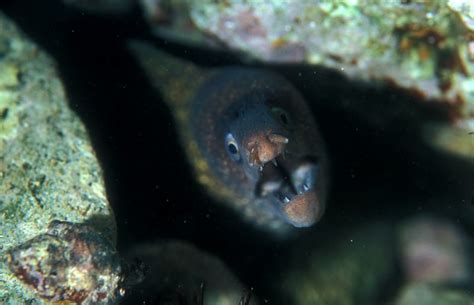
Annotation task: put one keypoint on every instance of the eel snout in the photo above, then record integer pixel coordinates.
(265, 147)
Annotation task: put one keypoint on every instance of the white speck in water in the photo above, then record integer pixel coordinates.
(312, 24)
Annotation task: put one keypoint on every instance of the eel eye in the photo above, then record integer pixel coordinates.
(232, 147)
(281, 115)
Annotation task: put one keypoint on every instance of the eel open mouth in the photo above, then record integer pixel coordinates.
(292, 186)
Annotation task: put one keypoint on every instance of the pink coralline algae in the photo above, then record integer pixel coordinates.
(69, 263)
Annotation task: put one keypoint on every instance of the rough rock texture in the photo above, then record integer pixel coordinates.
(48, 170)
(177, 268)
(434, 250)
(425, 48)
(69, 262)
(171, 19)
(348, 269)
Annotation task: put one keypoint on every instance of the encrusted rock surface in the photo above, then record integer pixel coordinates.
(48, 173)
(69, 262)
(434, 250)
(422, 46)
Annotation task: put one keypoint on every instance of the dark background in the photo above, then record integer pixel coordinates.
(380, 172)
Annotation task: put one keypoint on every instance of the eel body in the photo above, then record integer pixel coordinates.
(249, 136)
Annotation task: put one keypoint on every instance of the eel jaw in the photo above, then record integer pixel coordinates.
(292, 187)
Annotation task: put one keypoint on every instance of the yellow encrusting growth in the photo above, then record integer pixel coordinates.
(9, 75)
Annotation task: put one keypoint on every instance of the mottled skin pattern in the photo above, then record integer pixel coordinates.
(270, 127)
(219, 100)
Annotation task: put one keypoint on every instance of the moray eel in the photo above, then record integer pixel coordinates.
(249, 135)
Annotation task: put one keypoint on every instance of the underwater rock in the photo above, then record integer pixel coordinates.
(102, 6)
(175, 270)
(68, 263)
(465, 9)
(425, 294)
(348, 268)
(48, 173)
(423, 48)
(434, 251)
(452, 140)
(172, 20)
(250, 137)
